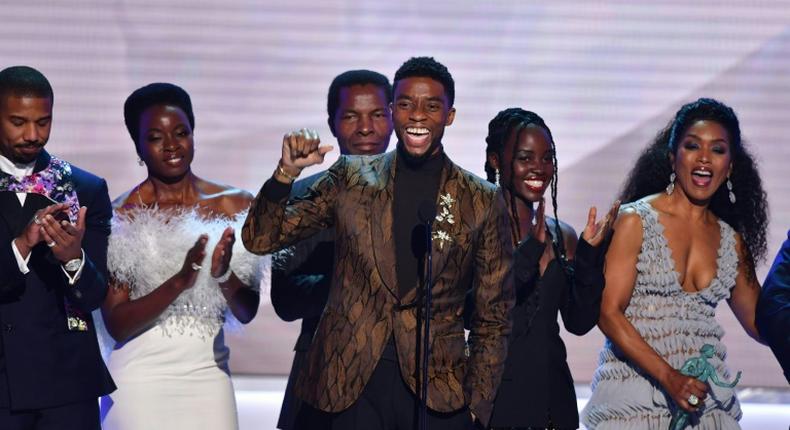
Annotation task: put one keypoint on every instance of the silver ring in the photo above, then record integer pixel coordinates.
(693, 400)
(196, 267)
(51, 244)
(36, 220)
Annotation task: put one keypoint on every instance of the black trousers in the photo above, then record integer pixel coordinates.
(386, 403)
(76, 416)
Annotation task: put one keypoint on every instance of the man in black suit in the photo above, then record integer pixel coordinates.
(773, 308)
(359, 118)
(54, 224)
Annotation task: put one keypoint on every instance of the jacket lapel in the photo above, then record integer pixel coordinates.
(42, 161)
(382, 240)
(16, 215)
(11, 211)
(446, 226)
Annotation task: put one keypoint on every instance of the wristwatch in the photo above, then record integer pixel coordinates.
(73, 265)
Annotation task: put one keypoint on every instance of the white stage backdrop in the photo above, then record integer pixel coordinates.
(606, 75)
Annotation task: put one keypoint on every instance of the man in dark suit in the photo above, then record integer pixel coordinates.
(362, 369)
(773, 308)
(54, 224)
(360, 119)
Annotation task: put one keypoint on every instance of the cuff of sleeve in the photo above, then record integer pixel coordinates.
(589, 253)
(76, 276)
(275, 191)
(530, 249)
(588, 263)
(21, 262)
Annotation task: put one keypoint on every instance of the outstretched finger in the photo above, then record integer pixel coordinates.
(540, 221)
(199, 247)
(321, 152)
(614, 211)
(591, 215)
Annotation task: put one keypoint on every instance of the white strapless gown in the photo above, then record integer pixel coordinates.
(174, 375)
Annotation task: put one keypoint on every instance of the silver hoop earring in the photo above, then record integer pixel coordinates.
(731, 195)
(671, 187)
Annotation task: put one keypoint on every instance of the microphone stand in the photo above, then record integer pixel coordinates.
(428, 285)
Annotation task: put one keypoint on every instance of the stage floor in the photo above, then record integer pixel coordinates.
(259, 398)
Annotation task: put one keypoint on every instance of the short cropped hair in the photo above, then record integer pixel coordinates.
(151, 95)
(24, 81)
(429, 68)
(354, 77)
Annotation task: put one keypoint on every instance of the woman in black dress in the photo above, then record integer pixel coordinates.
(565, 277)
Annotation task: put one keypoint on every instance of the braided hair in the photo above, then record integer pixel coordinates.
(514, 121)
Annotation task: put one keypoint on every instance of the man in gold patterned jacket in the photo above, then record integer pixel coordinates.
(362, 370)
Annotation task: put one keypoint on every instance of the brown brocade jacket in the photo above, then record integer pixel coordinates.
(355, 197)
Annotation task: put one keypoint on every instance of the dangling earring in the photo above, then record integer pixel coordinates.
(671, 186)
(496, 176)
(140, 161)
(729, 188)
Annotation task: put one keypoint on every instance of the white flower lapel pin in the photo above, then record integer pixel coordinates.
(444, 216)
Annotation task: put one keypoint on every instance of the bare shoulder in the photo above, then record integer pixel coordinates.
(627, 230)
(125, 201)
(741, 249)
(628, 221)
(225, 199)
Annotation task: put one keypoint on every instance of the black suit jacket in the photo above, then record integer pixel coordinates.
(773, 308)
(42, 363)
(301, 277)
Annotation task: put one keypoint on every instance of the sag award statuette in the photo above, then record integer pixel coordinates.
(698, 367)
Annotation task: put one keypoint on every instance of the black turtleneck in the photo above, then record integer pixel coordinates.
(414, 183)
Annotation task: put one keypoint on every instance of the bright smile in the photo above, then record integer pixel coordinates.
(536, 185)
(701, 177)
(175, 161)
(417, 136)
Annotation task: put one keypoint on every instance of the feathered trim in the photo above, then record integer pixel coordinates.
(148, 246)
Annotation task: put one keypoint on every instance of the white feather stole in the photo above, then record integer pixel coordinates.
(148, 245)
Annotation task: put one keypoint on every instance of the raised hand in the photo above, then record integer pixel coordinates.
(63, 237)
(680, 387)
(595, 232)
(187, 276)
(302, 149)
(539, 228)
(220, 258)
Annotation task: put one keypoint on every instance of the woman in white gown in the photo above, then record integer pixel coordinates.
(175, 274)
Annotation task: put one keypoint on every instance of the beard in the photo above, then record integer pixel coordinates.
(20, 157)
(418, 160)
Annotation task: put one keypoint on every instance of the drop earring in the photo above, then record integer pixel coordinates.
(671, 186)
(496, 176)
(140, 161)
(731, 195)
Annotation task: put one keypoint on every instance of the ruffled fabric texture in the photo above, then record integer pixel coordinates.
(148, 246)
(676, 324)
